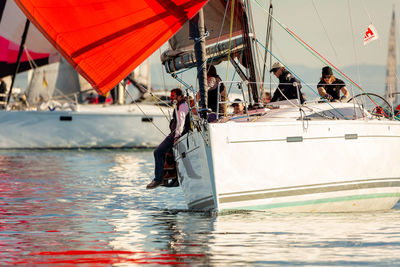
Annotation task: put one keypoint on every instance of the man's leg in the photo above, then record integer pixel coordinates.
(159, 157)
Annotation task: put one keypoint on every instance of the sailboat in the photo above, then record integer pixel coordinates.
(287, 157)
(54, 119)
(391, 92)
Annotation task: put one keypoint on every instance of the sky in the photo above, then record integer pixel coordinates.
(334, 28)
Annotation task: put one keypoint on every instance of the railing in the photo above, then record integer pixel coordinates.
(359, 104)
(246, 97)
(240, 87)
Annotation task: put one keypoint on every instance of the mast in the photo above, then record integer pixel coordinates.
(391, 78)
(21, 49)
(249, 40)
(197, 33)
(268, 39)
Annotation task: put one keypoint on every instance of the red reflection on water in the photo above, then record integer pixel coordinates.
(84, 252)
(113, 257)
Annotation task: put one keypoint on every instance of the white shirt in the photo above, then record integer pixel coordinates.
(180, 118)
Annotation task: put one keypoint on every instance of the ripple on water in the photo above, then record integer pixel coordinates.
(91, 207)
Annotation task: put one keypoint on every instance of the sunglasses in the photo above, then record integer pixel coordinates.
(327, 76)
(275, 70)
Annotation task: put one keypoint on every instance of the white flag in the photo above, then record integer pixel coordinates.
(370, 35)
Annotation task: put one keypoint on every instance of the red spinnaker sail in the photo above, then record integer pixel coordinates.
(105, 40)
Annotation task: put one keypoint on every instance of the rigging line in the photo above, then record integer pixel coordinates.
(323, 59)
(300, 79)
(267, 40)
(230, 35)
(221, 29)
(146, 90)
(230, 86)
(162, 71)
(354, 44)
(158, 105)
(366, 11)
(259, 64)
(355, 51)
(31, 61)
(155, 99)
(370, 19)
(180, 80)
(257, 70)
(308, 47)
(159, 100)
(270, 62)
(234, 73)
(126, 91)
(292, 103)
(326, 32)
(320, 57)
(270, 52)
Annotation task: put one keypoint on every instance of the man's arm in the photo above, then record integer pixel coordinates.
(321, 91)
(345, 93)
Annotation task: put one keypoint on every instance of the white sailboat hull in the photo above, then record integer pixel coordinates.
(92, 126)
(292, 166)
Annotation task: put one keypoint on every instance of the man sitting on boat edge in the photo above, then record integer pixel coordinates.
(288, 84)
(179, 125)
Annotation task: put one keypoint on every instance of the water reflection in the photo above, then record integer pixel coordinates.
(91, 208)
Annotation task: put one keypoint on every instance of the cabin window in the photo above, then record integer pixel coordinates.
(147, 119)
(65, 118)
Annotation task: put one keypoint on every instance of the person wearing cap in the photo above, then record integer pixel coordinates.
(238, 106)
(329, 87)
(288, 84)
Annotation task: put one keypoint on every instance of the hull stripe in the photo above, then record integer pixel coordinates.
(396, 179)
(307, 191)
(319, 201)
(310, 138)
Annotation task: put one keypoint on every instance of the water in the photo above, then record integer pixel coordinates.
(91, 208)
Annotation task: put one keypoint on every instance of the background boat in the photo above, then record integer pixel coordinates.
(53, 111)
(57, 114)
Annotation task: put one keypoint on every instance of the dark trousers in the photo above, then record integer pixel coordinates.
(159, 155)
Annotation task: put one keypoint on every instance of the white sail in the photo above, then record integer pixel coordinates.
(391, 66)
(57, 81)
(141, 74)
